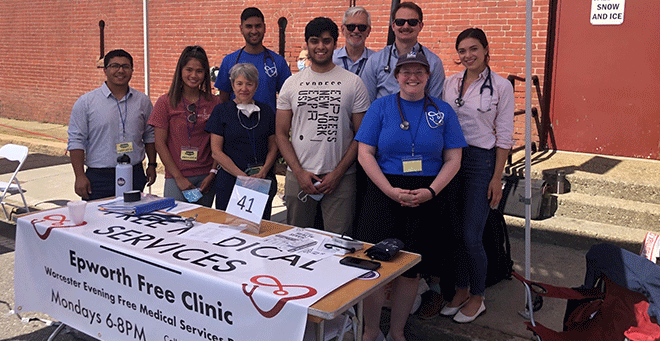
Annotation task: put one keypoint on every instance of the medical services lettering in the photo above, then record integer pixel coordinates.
(210, 256)
(607, 12)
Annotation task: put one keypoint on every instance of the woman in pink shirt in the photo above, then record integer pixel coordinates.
(484, 104)
(179, 118)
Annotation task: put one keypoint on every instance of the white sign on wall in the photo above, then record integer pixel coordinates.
(607, 12)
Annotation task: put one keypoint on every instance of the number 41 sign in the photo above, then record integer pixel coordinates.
(249, 203)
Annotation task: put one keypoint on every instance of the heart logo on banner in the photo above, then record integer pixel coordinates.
(57, 223)
(280, 291)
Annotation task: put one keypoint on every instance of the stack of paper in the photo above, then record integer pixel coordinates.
(148, 203)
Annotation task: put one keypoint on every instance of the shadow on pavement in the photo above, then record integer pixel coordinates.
(44, 333)
(33, 161)
(7, 237)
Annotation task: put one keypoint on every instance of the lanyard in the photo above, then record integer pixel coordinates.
(360, 64)
(123, 116)
(405, 125)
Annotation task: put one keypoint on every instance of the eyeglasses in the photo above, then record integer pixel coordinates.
(360, 27)
(115, 67)
(192, 109)
(411, 22)
(408, 74)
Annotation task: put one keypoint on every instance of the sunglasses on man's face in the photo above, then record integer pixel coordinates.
(360, 27)
(192, 109)
(411, 22)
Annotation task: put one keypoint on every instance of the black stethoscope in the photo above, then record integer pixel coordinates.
(433, 119)
(271, 71)
(388, 68)
(488, 84)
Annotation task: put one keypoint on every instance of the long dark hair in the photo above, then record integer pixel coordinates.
(176, 88)
(477, 34)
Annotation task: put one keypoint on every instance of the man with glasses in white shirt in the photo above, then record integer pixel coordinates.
(106, 123)
(378, 75)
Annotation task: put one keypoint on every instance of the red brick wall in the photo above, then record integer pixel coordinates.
(49, 49)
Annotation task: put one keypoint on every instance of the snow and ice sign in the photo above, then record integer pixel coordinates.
(607, 12)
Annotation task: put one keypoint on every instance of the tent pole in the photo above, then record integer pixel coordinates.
(145, 24)
(528, 139)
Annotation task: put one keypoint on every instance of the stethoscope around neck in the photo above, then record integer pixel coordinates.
(488, 84)
(271, 71)
(436, 122)
(388, 68)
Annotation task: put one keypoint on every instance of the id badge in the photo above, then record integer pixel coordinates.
(189, 153)
(124, 147)
(412, 163)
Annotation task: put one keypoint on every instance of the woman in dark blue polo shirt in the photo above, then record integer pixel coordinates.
(243, 137)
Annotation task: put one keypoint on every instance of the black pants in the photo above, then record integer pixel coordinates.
(103, 181)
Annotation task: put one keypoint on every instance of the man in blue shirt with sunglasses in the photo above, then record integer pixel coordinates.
(355, 27)
(273, 69)
(378, 73)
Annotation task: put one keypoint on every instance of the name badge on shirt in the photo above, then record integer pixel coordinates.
(412, 164)
(189, 153)
(124, 147)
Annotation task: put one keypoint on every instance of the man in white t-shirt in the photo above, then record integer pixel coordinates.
(319, 110)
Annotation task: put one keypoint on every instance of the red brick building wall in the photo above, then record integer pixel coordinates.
(49, 49)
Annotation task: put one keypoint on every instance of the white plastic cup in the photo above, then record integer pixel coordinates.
(77, 211)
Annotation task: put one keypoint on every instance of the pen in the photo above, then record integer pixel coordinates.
(304, 246)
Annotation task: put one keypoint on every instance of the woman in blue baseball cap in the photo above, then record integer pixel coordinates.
(410, 147)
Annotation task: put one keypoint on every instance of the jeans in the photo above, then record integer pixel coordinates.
(468, 206)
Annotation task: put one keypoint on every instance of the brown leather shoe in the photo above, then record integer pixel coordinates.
(432, 303)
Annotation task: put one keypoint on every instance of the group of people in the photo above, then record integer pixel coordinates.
(430, 151)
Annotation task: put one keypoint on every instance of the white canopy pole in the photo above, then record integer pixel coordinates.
(528, 137)
(145, 24)
(528, 313)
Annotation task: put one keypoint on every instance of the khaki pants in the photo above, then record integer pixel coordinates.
(338, 208)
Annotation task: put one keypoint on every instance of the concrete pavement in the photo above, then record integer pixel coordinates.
(52, 186)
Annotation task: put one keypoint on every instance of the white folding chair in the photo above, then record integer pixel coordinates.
(18, 153)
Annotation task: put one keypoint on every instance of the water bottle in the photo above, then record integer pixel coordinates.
(561, 181)
(123, 176)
